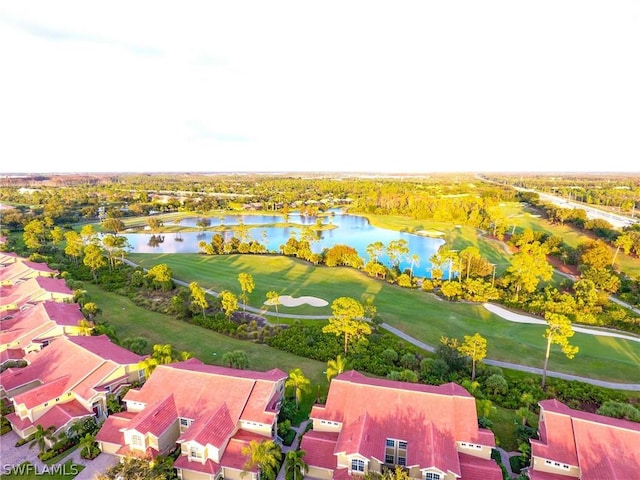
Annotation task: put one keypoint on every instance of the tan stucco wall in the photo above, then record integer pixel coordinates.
(167, 440)
(189, 475)
(539, 465)
(108, 447)
(233, 474)
(318, 473)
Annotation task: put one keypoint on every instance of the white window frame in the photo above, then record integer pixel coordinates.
(357, 462)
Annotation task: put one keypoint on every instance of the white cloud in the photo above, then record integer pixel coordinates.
(339, 86)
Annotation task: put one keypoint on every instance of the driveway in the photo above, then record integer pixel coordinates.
(10, 456)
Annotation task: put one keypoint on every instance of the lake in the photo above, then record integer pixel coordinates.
(351, 230)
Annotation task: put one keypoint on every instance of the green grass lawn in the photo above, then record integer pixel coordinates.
(458, 237)
(129, 320)
(420, 315)
(526, 217)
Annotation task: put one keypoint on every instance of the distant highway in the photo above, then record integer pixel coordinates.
(618, 221)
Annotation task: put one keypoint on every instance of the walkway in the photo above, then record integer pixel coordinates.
(300, 429)
(504, 458)
(513, 366)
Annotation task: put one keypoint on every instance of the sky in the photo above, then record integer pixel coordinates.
(358, 86)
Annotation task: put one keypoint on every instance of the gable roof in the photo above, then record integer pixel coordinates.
(29, 324)
(20, 270)
(601, 446)
(429, 418)
(319, 448)
(32, 290)
(66, 365)
(200, 390)
(213, 430)
(156, 418)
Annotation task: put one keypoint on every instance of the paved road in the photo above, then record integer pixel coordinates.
(429, 348)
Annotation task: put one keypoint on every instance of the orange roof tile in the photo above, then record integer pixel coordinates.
(602, 447)
(110, 430)
(233, 456)
(213, 430)
(43, 393)
(156, 418)
(200, 389)
(319, 448)
(65, 357)
(430, 419)
(209, 466)
(475, 468)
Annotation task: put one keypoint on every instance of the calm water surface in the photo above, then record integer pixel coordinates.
(351, 230)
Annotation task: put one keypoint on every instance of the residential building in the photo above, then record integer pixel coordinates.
(370, 425)
(22, 270)
(31, 329)
(210, 412)
(67, 381)
(37, 289)
(575, 444)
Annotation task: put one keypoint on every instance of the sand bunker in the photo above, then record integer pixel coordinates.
(519, 318)
(430, 233)
(289, 301)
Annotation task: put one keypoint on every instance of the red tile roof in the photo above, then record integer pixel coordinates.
(156, 418)
(319, 448)
(54, 285)
(105, 349)
(602, 447)
(213, 430)
(209, 466)
(65, 314)
(67, 359)
(125, 451)
(233, 456)
(200, 390)
(538, 475)
(430, 419)
(11, 354)
(62, 414)
(58, 416)
(22, 270)
(475, 468)
(30, 324)
(110, 431)
(34, 289)
(43, 393)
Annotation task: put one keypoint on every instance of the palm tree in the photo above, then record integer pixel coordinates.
(163, 353)
(87, 445)
(148, 365)
(299, 382)
(335, 367)
(295, 468)
(265, 455)
(274, 298)
(85, 327)
(40, 437)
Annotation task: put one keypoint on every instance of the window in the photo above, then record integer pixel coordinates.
(194, 452)
(357, 465)
(136, 441)
(395, 452)
(432, 476)
(184, 422)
